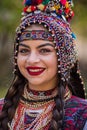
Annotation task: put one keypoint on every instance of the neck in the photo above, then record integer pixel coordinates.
(43, 86)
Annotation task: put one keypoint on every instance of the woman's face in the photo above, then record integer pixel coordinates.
(37, 62)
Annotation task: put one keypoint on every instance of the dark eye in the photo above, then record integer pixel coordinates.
(23, 51)
(44, 50)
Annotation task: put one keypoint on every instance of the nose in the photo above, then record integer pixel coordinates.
(33, 58)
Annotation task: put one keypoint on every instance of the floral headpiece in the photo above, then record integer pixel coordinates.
(61, 7)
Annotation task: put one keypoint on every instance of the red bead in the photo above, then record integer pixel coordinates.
(25, 9)
(33, 8)
(72, 13)
(67, 10)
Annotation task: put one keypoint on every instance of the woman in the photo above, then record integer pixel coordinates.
(47, 90)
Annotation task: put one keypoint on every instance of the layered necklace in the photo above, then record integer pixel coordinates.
(35, 108)
(34, 111)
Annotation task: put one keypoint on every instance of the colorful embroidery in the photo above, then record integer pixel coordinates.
(74, 119)
(75, 114)
(36, 35)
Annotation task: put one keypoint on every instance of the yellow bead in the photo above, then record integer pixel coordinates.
(29, 9)
(41, 7)
(67, 5)
(57, 7)
(52, 8)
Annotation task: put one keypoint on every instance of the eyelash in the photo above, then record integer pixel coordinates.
(44, 50)
(23, 50)
(41, 51)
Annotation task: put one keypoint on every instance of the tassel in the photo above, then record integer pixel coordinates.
(67, 5)
(25, 9)
(57, 6)
(63, 2)
(45, 2)
(40, 1)
(67, 11)
(33, 8)
(34, 2)
(27, 2)
(72, 13)
(41, 7)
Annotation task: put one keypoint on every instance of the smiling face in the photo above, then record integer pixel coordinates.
(37, 62)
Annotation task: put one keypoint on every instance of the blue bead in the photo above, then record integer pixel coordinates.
(73, 35)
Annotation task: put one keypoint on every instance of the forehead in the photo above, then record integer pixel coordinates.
(36, 27)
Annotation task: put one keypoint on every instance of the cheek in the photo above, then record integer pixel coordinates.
(54, 67)
(52, 63)
(20, 61)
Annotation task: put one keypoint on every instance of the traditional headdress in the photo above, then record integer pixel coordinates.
(55, 16)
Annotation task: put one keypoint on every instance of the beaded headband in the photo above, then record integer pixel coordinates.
(36, 35)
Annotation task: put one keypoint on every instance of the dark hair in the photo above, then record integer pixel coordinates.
(15, 91)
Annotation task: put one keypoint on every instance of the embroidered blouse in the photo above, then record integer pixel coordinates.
(75, 114)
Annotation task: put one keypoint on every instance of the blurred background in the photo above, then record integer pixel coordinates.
(10, 14)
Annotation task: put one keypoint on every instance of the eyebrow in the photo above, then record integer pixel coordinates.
(42, 45)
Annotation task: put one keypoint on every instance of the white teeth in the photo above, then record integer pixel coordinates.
(35, 70)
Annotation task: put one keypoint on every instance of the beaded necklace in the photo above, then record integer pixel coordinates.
(31, 115)
(34, 115)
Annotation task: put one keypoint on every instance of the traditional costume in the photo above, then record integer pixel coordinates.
(34, 110)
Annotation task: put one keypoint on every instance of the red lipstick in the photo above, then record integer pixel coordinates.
(34, 71)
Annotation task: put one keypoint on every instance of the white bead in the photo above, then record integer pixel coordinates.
(55, 47)
(58, 71)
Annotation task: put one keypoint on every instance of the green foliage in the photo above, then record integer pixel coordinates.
(3, 91)
(10, 12)
(80, 19)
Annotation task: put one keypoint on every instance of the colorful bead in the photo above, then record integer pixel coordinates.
(33, 8)
(67, 5)
(73, 35)
(36, 35)
(41, 7)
